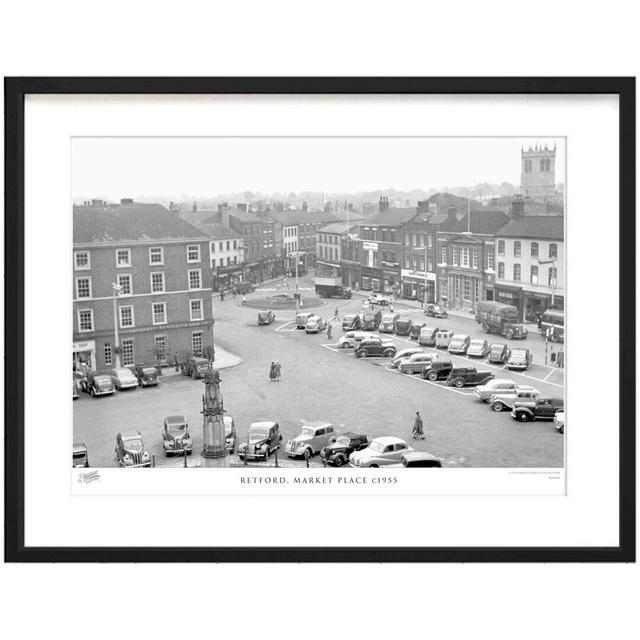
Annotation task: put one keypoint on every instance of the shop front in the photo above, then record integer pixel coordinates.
(371, 279)
(351, 274)
(226, 277)
(535, 304)
(84, 355)
(512, 296)
(413, 285)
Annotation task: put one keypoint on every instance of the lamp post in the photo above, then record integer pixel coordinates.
(116, 290)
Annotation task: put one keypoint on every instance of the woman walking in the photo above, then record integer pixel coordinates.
(272, 372)
(278, 368)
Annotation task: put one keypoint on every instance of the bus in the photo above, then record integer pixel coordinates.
(552, 325)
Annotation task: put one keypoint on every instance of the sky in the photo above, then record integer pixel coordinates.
(115, 168)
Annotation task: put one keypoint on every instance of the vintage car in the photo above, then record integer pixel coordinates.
(427, 336)
(230, 433)
(97, 384)
(519, 359)
(351, 322)
(497, 385)
(402, 354)
(515, 331)
(338, 451)
(542, 408)
(263, 439)
(417, 459)
(378, 298)
(80, 455)
(416, 363)
(388, 322)
(375, 347)
(443, 338)
(416, 328)
(502, 400)
(499, 352)
(478, 348)
(558, 421)
(352, 338)
(302, 317)
(266, 317)
(195, 367)
(459, 344)
(435, 311)
(175, 436)
(437, 370)
(467, 376)
(403, 326)
(371, 320)
(313, 437)
(146, 375)
(315, 324)
(123, 379)
(130, 451)
(380, 453)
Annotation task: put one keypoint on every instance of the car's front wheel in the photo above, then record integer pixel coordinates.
(459, 383)
(360, 353)
(508, 335)
(432, 375)
(339, 461)
(497, 406)
(523, 416)
(92, 392)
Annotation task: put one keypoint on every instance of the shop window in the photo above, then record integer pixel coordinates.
(126, 351)
(108, 354)
(196, 343)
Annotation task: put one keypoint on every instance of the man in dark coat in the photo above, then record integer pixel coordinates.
(418, 427)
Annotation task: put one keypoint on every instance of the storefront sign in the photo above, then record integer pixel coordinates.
(87, 345)
(370, 246)
(410, 273)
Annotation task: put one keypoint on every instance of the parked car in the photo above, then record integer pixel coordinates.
(402, 354)
(478, 348)
(435, 311)
(195, 367)
(558, 421)
(502, 400)
(313, 437)
(437, 370)
(496, 385)
(379, 298)
(80, 455)
(263, 439)
(315, 324)
(266, 317)
(416, 328)
(542, 408)
(230, 433)
(467, 376)
(417, 459)
(416, 363)
(175, 436)
(351, 322)
(130, 451)
(519, 359)
(427, 336)
(302, 317)
(380, 453)
(499, 352)
(352, 338)
(371, 320)
(123, 379)
(443, 338)
(146, 375)
(375, 347)
(97, 384)
(459, 344)
(338, 451)
(403, 326)
(388, 322)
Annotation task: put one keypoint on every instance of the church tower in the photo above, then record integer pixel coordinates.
(538, 172)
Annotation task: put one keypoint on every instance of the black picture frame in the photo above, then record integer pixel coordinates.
(15, 91)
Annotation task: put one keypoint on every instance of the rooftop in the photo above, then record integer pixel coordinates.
(542, 227)
(483, 221)
(392, 217)
(300, 216)
(340, 227)
(218, 231)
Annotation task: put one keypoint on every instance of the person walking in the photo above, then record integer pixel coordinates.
(244, 298)
(272, 372)
(329, 331)
(418, 427)
(278, 368)
(336, 314)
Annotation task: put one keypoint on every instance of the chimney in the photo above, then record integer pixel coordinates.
(423, 206)
(383, 204)
(243, 206)
(195, 207)
(452, 212)
(517, 206)
(305, 206)
(126, 200)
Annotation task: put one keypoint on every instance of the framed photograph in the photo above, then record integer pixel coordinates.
(320, 319)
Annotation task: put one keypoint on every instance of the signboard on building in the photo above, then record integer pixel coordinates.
(370, 246)
(86, 345)
(410, 273)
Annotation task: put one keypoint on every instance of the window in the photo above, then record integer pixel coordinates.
(126, 350)
(83, 287)
(235, 259)
(195, 278)
(156, 255)
(123, 258)
(159, 312)
(517, 249)
(500, 270)
(228, 260)
(490, 263)
(466, 293)
(500, 247)
(124, 280)
(108, 354)
(534, 274)
(534, 249)
(444, 255)
(456, 255)
(212, 247)
(195, 310)
(85, 320)
(465, 257)
(553, 250)
(196, 343)
(456, 286)
(213, 262)
(553, 276)
(235, 244)
(126, 317)
(407, 264)
(82, 260)
(429, 263)
(477, 289)
(193, 253)
(157, 282)
(474, 258)
(430, 241)
(228, 245)
(221, 245)
(516, 272)
(160, 347)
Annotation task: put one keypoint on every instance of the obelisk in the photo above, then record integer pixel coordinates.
(214, 449)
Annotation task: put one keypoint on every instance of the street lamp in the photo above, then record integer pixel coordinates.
(116, 291)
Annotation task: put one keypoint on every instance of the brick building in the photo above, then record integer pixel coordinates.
(159, 262)
(331, 240)
(226, 255)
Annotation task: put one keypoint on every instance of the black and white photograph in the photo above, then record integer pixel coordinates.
(299, 302)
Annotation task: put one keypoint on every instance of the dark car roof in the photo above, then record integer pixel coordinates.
(354, 436)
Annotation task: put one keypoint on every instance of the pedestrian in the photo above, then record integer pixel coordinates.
(272, 372)
(560, 358)
(278, 371)
(244, 298)
(234, 292)
(222, 295)
(336, 314)
(418, 427)
(329, 331)
(391, 307)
